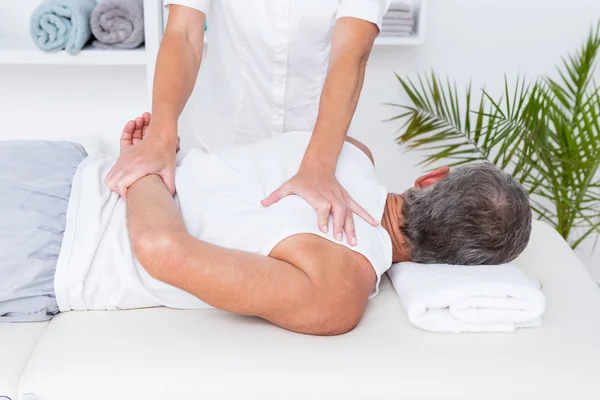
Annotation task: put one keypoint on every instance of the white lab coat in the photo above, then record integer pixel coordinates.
(265, 66)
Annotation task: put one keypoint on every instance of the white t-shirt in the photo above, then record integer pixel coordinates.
(265, 65)
(219, 196)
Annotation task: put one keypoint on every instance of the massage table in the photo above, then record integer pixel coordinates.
(161, 353)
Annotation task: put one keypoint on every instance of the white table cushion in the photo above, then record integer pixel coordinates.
(17, 342)
(172, 354)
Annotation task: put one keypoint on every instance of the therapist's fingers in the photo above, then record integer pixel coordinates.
(349, 228)
(111, 178)
(127, 136)
(139, 127)
(113, 185)
(339, 211)
(323, 208)
(358, 210)
(125, 143)
(123, 182)
(277, 195)
(122, 179)
(146, 117)
(122, 192)
(168, 177)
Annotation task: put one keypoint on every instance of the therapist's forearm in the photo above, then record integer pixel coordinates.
(338, 103)
(175, 77)
(351, 46)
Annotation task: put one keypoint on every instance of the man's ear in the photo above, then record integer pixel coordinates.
(432, 177)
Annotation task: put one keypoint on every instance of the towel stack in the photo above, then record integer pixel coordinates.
(399, 20)
(69, 24)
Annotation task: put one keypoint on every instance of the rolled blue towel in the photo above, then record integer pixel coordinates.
(118, 24)
(62, 25)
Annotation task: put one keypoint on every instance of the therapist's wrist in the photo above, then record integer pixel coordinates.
(318, 163)
(322, 154)
(163, 133)
(164, 141)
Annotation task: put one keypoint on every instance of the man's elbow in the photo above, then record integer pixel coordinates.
(337, 307)
(156, 251)
(331, 319)
(339, 325)
(334, 322)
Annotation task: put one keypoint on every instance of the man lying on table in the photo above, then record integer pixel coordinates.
(68, 243)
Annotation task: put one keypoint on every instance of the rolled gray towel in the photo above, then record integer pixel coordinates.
(118, 24)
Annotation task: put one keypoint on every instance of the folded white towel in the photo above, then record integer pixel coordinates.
(404, 22)
(398, 14)
(400, 5)
(453, 299)
(401, 22)
(398, 28)
(395, 34)
(386, 27)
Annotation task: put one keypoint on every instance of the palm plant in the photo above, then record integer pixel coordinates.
(546, 132)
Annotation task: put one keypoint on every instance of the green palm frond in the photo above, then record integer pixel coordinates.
(435, 125)
(545, 132)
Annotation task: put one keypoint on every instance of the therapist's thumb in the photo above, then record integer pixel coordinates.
(168, 177)
(277, 195)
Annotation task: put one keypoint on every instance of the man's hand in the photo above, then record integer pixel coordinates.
(324, 193)
(142, 155)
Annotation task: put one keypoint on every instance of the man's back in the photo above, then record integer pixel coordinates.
(219, 196)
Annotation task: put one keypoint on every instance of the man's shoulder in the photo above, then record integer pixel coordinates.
(327, 262)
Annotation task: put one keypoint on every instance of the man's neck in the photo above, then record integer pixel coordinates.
(391, 222)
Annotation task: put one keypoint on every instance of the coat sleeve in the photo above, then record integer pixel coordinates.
(368, 10)
(200, 5)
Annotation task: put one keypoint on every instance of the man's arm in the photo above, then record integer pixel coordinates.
(303, 300)
(177, 67)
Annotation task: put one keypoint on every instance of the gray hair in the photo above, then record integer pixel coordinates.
(476, 215)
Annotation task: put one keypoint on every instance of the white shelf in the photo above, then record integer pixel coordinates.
(417, 37)
(22, 50)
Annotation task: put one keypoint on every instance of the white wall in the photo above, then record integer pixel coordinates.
(62, 101)
(466, 39)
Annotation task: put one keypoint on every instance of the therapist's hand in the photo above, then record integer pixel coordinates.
(142, 155)
(320, 188)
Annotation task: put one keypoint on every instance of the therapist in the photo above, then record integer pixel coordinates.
(273, 66)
